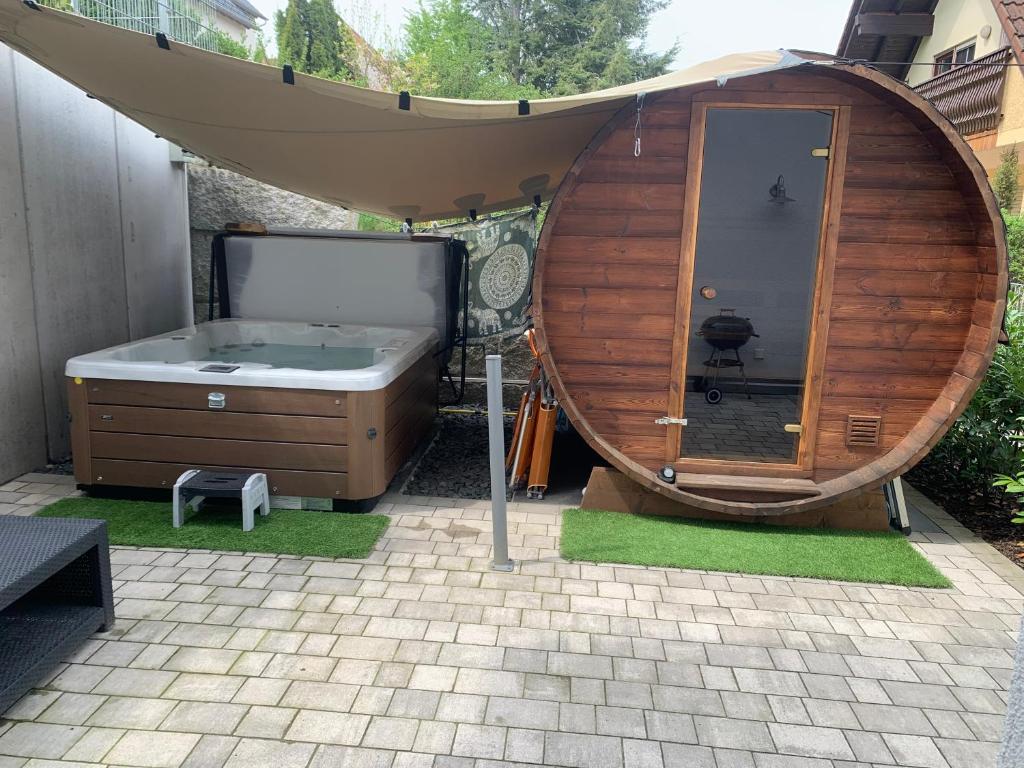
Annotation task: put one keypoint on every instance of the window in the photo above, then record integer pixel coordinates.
(954, 57)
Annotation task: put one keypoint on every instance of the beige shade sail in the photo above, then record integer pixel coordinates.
(339, 143)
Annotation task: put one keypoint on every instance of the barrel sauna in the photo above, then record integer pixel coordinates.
(826, 208)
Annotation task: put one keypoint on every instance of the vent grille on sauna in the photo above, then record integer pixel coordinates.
(863, 431)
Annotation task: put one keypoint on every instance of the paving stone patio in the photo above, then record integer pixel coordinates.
(421, 656)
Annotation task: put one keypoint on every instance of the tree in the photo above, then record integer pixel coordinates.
(259, 51)
(312, 38)
(330, 44)
(292, 26)
(1006, 184)
(514, 29)
(378, 49)
(570, 46)
(450, 53)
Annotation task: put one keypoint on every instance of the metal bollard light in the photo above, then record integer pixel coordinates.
(496, 440)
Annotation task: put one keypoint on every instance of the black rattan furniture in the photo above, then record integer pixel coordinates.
(55, 591)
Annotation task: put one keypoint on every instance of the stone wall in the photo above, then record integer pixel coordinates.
(217, 196)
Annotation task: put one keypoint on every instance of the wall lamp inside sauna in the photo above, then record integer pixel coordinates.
(777, 192)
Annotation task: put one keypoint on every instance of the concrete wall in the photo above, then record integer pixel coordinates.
(94, 251)
(154, 232)
(23, 444)
(217, 196)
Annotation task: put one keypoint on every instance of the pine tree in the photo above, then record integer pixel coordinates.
(312, 37)
(325, 39)
(450, 53)
(293, 35)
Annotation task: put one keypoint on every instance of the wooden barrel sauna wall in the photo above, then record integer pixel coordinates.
(905, 292)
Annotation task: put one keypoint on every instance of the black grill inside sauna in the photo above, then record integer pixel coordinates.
(836, 279)
(725, 332)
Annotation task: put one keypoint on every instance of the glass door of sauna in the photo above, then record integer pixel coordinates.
(755, 265)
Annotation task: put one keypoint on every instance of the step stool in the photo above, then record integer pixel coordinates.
(195, 485)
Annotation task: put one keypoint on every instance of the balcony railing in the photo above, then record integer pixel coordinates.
(970, 95)
(188, 21)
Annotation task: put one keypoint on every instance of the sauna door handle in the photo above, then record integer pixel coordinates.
(794, 428)
(663, 420)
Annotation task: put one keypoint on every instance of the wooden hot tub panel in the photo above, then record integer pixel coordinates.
(317, 443)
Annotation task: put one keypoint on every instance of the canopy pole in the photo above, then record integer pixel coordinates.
(496, 440)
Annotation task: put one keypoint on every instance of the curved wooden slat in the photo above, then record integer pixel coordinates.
(917, 300)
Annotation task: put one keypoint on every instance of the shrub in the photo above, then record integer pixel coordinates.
(1005, 183)
(1014, 484)
(1015, 245)
(370, 223)
(227, 45)
(981, 447)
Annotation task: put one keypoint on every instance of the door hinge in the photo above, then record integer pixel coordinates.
(820, 152)
(664, 420)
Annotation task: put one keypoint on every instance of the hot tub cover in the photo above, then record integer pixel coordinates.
(339, 143)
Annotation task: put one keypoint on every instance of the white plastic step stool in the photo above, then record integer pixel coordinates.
(196, 485)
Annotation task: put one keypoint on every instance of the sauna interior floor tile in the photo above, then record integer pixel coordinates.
(740, 428)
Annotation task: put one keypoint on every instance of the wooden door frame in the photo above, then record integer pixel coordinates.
(828, 238)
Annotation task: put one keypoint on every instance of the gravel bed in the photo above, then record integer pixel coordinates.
(455, 464)
(64, 467)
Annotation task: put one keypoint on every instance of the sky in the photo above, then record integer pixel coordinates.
(705, 30)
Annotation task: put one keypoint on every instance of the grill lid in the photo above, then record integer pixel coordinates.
(726, 331)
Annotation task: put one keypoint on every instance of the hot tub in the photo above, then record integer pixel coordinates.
(326, 410)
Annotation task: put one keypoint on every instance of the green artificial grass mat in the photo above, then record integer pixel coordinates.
(284, 531)
(868, 556)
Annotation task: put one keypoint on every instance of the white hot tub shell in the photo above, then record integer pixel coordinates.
(326, 410)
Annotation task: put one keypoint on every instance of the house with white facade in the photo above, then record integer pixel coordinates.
(966, 56)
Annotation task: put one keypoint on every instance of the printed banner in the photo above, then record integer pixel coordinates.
(501, 255)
